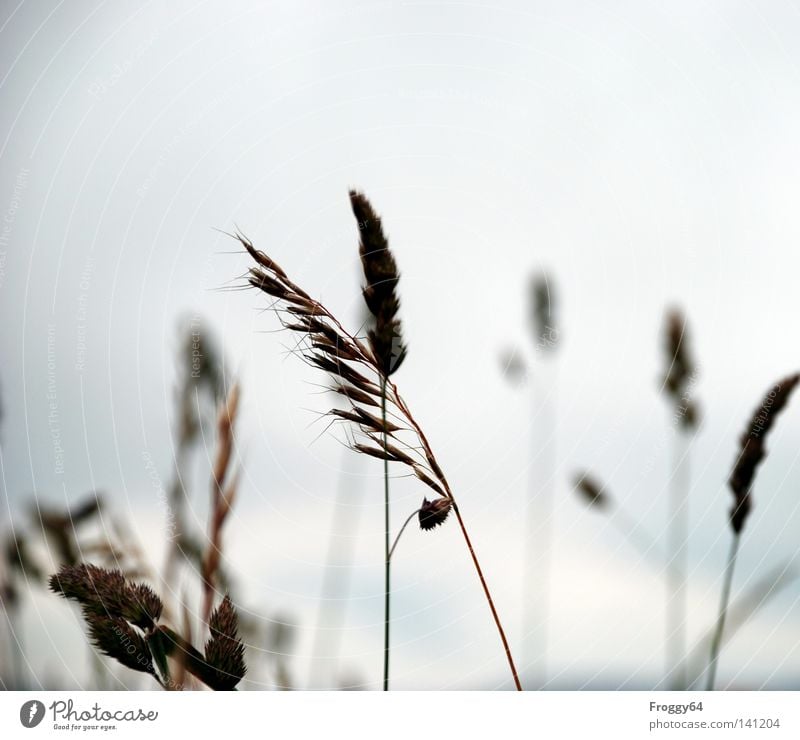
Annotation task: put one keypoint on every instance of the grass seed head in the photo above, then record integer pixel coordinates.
(380, 291)
(116, 638)
(592, 492)
(680, 368)
(543, 312)
(753, 450)
(106, 593)
(434, 513)
(357, 369)
(224, 651)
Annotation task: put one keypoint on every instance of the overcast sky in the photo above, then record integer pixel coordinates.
(645, 155)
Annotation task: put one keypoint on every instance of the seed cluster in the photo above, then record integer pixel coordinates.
(380, 292)
(594, 493)
(358, 368)
(122, 619)
(753, 450)
(680, 370)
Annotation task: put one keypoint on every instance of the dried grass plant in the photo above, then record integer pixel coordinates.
(123, 623)
(380, 421)
(540, 501)
(224, 484)
(752, 452)
(677, 384)
(200, 390)
(62, 536)
(388, 349)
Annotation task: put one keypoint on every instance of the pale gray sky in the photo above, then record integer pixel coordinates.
(645, 154)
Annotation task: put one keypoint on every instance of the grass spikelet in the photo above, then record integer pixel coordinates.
(380, 291)
(434, 513)
(680, 369)
(224, 650)
(753, 450)
(115, 637)
(102, 592)
(592, 492)
(543, 312)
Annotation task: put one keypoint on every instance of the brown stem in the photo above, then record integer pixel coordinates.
(506, 646)
(407, 413)
(223, 491)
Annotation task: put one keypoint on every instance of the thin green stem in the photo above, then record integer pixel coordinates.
(387, 544)
(400, 533)
(723, 612)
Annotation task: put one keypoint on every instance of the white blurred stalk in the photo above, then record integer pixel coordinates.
(539, 524)
(678, 564)
(324, 669)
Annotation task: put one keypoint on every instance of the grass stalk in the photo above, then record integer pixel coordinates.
(740, 611)
(16, 651)
(223, 492)
(540, 510)
(489, 599)
(336, 580)
(449, 494)
(402, 529)
(678, 533)
(678, 385)
(716, 643)
(387, 581)
(751, 455)
(541, 496)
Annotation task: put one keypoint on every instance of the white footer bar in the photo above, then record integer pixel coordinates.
(401, 715)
